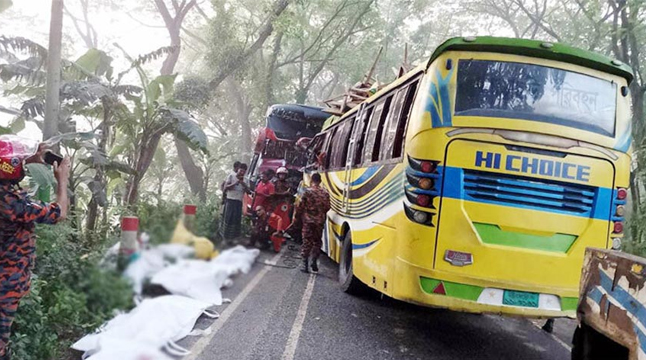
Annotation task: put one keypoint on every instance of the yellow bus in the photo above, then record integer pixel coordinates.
(476, 181)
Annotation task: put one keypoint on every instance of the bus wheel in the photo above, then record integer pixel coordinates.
(349, 283)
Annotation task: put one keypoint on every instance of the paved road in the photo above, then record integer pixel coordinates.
(281, 313)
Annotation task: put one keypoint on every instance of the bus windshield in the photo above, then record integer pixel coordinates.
(533, 92)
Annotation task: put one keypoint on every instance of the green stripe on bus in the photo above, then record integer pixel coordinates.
(569, 303)
(457, 290)
(492, 234)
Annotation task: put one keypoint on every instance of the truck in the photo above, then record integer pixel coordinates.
(612, 307)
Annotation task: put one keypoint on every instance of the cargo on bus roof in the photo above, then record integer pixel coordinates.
(294, 121)
(536, 48)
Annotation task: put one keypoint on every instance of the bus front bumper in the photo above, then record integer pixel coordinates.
(432, 288)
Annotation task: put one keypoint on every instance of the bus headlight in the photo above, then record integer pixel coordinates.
(616, 243)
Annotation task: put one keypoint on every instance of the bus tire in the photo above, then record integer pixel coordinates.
(588, 344)
(349, 283)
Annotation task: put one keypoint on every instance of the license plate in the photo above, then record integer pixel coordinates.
(520, 298)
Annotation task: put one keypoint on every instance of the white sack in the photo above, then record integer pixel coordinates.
(145, 266)
(112, 349)
(153, 323)
(196, 279)
(202, 280)
(152, 261)
(175, 252)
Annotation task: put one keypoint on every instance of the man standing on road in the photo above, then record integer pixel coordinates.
(311, 212)
(18, 216)
(235, 188)
(233, 174)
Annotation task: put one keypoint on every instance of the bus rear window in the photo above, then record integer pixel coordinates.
(539, 93)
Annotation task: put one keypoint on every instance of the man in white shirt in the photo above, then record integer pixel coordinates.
(234, 188)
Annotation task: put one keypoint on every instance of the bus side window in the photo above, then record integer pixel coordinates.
(373, 136)
(345, 139)
(400, 136)
(393, 140)
(339, 145)
(359, 135)
(314, 151)
(390, 127)
(328, 148)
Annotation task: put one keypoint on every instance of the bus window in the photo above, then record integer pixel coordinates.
(373, 136)
(359, 135)
(400, 135)
(340, 145)
(328, 148)
(392, 124)
(315, 152)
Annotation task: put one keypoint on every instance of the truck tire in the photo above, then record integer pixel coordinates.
(349, 283)
(588, 344)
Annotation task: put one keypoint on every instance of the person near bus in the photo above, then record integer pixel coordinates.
(235, 188)
(18, 215)
(281, 185)
(311, 213)
(264, 189)
(262, 228)
(236, 167)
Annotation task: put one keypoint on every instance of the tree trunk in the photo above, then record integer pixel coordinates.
(93, 210)
(243, 108)
(236, 60)
(144, 159)
(271, 68)
(52, 102)
(193, 172)
(92, 215)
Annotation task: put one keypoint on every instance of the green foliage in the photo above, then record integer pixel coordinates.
(158, 220)
(207, 219)
(41, 176)
(70, 295)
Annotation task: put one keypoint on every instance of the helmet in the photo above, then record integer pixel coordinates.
(282, 170)
(14, 151)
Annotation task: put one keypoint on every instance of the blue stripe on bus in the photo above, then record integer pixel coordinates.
(439, 103)
(454, 188)
(623, 143)
(366, 175)
(364, 246)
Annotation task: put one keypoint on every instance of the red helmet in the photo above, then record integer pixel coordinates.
(14, 151)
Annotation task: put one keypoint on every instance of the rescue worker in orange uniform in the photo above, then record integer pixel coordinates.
(18, 216)
(262, 229)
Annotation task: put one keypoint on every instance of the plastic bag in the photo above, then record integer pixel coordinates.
(204, 248)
